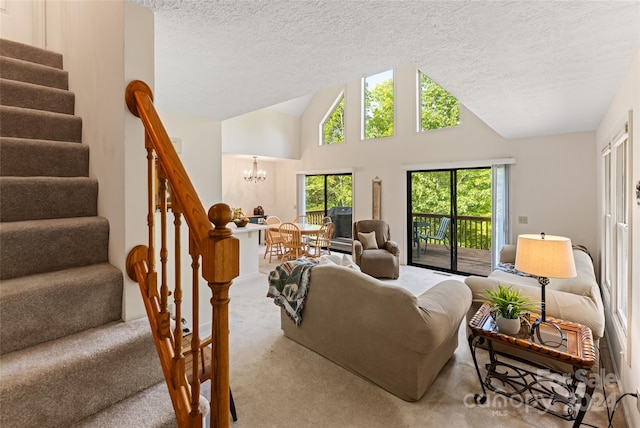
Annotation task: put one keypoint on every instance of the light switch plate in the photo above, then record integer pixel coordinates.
(177, 144)
(523, 219)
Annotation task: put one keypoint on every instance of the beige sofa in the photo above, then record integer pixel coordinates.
(378, 330)
(573, 299)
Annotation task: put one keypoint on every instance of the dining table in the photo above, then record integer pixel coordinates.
(305, 228)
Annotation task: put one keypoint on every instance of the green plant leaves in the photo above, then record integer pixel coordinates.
(507, 302)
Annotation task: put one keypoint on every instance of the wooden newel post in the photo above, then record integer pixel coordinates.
(220, 265)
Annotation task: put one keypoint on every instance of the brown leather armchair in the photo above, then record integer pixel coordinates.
(377, 255)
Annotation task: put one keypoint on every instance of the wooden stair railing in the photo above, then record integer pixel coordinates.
(213, 249)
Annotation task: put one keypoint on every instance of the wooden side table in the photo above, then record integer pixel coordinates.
(531, 382)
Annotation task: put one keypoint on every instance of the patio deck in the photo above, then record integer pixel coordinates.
(470, 260)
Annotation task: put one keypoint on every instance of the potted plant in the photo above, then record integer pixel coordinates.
(508, 305)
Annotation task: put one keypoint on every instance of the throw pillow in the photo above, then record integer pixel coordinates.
(368, 240)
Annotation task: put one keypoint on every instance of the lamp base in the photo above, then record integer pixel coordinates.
(550, 341)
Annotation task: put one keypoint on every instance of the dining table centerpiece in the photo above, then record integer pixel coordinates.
(241, 221)
(238, 218)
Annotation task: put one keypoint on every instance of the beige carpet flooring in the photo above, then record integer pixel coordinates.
(279, 383)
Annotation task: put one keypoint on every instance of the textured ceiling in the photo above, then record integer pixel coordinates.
(524, 67)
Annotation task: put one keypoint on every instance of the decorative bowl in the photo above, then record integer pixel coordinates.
(240, 222)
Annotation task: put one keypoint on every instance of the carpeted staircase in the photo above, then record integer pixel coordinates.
(67, 358)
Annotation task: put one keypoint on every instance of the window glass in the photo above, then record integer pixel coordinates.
(333, 125)
(378, 105)
(438, 108)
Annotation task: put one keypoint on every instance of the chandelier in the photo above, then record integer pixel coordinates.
(255, 174)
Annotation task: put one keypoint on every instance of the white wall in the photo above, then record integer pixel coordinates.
(201, 157)
(627, 98)
(275, 194)
(274, 137)
(262, 133)
(105, 45)
(201, 152)
(23, 21)
(553, 185)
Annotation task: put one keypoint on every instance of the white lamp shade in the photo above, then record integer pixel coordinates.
(551, 256)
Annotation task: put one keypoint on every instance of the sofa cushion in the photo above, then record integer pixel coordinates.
(368, 240)
(583, 284)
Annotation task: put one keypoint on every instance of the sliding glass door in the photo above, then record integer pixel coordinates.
(449, 219)
(331, 195)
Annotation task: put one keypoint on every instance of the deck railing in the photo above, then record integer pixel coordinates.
(473, 232)
(315, 217)
(212, 248)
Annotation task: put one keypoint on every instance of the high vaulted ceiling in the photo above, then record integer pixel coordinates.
(526, 68)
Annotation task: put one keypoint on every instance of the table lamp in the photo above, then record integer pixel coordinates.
(545, 256)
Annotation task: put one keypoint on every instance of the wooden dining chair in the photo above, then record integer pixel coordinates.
(291, 241)
(322, 240)
(274, 243)
(273, 239)
(300, 219)
(272, 219)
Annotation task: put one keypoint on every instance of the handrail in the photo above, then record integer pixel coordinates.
(139, 99)
(212, 248)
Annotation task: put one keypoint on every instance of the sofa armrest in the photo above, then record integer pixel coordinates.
(443, 307)
(508, 254)
(392, 247)
(357, 252)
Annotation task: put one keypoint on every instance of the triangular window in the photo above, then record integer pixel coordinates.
(438, 108)
(332, 126)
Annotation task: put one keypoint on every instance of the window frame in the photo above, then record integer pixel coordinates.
(363, 106)
(614, 251)
(419, 90)
(340, 99)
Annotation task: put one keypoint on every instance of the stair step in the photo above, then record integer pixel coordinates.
(37, 246)
(65, 380)
(17, 50)
(29, 72)
(40, 125)
(37, 198)
(38, 308)
(158, 411)
(27, 95)
(23, 157)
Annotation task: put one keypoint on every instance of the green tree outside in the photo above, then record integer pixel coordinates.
(438, 108)
(339, 191)
(378, 108)
(333, 127)
(431, 192)
(314, 192)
